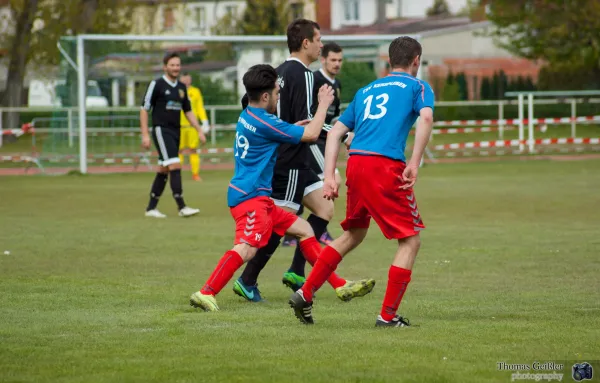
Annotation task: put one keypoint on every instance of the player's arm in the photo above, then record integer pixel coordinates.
(147, 104)
(338, 134)
(191, 117)
(313, 128)
(423, 104)
(302, 131)
(199, 107)
(424, 128)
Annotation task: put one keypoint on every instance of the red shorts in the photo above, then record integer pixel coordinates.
(256, 218)
(374, 191)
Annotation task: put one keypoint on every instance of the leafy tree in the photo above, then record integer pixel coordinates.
(461, 81)
(353, 76)
(37, 26)
(486, 89)
(439, 8)
(563, 34)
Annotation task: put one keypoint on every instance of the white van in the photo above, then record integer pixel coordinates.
(48, 93)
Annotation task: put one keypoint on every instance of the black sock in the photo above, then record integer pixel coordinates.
(319, 226)
(256, 264)
(300, 211)
(177, 188)
(158, 186)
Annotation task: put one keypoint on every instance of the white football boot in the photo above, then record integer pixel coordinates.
(188, 211)
(155, 214)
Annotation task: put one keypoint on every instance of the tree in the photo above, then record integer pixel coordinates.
(260, 17)
(486, 89)
(19, 52)
(439, 8)
(563, 34)
(39, 24)
(461, 81)
(353, 76)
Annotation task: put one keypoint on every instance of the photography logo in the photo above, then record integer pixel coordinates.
(582, 371)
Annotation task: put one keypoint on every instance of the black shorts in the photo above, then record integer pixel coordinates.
(290, 186)
(317, 158)
(166, 141)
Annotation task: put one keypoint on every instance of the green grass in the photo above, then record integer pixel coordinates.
(94, 292)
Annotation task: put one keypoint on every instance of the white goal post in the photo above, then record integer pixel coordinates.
(81, 75)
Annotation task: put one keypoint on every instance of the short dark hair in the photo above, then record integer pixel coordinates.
(403, 51)
(298, 30)
(170, 55)
(330, 47)
(259, 79)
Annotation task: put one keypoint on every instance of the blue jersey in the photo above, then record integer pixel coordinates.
(382, 114)
(257, 138)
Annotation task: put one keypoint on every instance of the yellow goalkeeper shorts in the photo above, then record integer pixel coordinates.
(189, 138)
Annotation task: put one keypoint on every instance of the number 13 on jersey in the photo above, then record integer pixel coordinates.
(241, 143)
(380, 100)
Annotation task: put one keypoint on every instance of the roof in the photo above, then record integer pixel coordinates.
(411, 26)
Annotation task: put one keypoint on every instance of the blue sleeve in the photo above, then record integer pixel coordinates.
(348, 118)
(424, 97)
(275, 129)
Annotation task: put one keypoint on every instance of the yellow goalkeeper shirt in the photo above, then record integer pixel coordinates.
(197, 103)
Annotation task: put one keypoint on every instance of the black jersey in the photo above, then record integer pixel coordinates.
(167, 100)
(295, 103)
(334, 109)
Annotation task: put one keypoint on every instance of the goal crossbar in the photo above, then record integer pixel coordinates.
(81, 75)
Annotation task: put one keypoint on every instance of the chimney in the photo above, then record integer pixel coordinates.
(381, 16)
(323, 10)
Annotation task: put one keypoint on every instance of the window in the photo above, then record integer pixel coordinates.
(297, 10)
(351, 10)
(168, 19)
(199, 18)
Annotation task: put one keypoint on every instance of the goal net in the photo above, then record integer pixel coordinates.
(102, 81)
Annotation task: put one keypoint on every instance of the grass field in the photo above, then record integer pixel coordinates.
(94, 292)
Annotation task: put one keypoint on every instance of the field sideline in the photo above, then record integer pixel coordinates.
(94, 292)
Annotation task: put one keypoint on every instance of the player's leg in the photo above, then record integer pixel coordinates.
(160, 181)
(285, 195)
(169, 139)
(290, 240)
(193, 143)
(399, 276)
(324, 268)
(322, 212)
(253, 227)
(317, 164)
(396, 213)
(355, 228)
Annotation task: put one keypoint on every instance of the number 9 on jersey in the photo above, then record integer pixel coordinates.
(241, 143)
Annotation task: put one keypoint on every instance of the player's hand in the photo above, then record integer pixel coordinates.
(409, 176)
(202, 138)
(348, 142)
(330, 189)
(145, 141)
(302, 123)
(326, 95)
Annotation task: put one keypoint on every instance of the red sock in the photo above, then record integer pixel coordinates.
(225, 269)
(325, 266)
(311, 249)
(398, 279)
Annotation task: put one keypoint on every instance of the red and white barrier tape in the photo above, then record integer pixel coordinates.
(510, 143)
(26, 128)
(107, 158)
(515, 121)
(502, 152)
